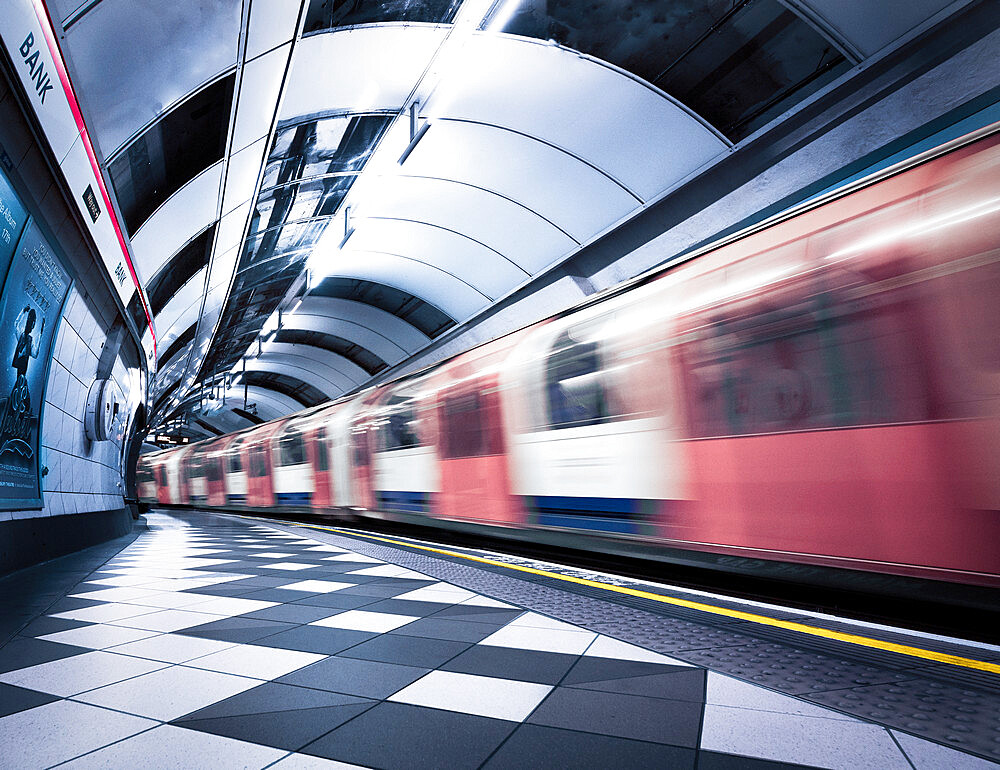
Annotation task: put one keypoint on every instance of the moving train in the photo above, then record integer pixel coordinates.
(821, 389)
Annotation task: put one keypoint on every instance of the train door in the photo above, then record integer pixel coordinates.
(292, 474)
(260, 487)
(318, 445)
(236, 472)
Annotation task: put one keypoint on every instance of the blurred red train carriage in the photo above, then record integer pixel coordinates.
(823, 389)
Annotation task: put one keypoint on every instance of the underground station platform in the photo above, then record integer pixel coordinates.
(208, 640)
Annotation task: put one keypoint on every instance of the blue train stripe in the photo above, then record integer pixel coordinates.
(593, 523)
(411, 502)
(294, 497)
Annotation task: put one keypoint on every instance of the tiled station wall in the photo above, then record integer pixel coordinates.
(83, 489)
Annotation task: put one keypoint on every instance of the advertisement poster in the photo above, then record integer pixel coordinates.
(33, 294)
(12, 219)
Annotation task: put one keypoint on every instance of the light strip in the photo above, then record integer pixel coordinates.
(46, 24)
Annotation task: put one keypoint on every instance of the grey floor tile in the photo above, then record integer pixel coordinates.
(291, 613)
(353, 676)
(403, 607)
(48, 625)
(23, 652)
(14, 699)
(624, 716)
(377, 591)
(712, 760)
(674, 683)
(270, 697)
(173, 748)
(454, 630)
(237, 629)
(525, 665)
(926, 755)
(408, 650)
(401, 736)
(327, 641)
(479, 614)
(533, 746)
(337, 600)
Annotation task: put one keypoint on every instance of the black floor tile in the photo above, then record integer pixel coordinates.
(278, 595)
(291, 613)
(408, 650)
(271, 697)
(455, 630)
(236, 629)
(532, 746)
(505, 663)
(282, 729)
(224, 589)
(46, 625)
(479, 614)
(324, 641)
(624, 716)
(711, 760)
(337, 601)
(353, 676)
(377, 591)
(400, 736)
(23, 651)
(652, 680)
(407, 607)
(14, 699)
(68, 603)
(262, 582)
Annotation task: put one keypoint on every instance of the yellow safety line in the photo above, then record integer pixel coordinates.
(802, 628)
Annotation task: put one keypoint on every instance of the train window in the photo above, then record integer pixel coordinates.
(399, 430)
(359, 448)
(234, 461)
(195, 468)
(213, 468)
(291, 449)
(322, 451)
(161, 476)
(258, 461)
(463, 434)
(574, 391)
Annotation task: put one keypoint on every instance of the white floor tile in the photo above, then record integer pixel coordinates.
(171, 600)
(485, 601)
(102, 613)
(355, 557)
(98, 636)
(230, 605)
(390, 571)
(129, 595)
(722, 690)
(541, 639)
(168, 693)
(120, 581)
(168, 620)
(317, 586)
(172, 648)
(832, 743)
(56, 732)
(256, 661)
(439, 592)
(79, 673)
(933, 756)
(288, 565)
(484, 696)
(175, 748)
(606, 647)
(360, 620)
(534, 620)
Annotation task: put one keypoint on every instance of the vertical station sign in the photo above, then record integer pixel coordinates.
(30, 41)
(34, 289)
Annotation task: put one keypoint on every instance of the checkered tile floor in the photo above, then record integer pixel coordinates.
(214, 643)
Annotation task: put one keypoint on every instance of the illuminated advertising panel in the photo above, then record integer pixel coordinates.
(34, 290)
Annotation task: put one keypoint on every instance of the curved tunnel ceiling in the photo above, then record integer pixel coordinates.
(415, 160)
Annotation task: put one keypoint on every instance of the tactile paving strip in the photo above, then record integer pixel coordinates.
(879, 690)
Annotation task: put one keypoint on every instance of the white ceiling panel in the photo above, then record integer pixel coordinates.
(134, 60)
(231, 228)
(576, 197)
(258, 96)
(330, 364)
(610, 120)
(429, 283)
(360, 69)
(300, 368)
(501, 224)
(241, 176)
(385, 335)
(489, 272)
(182, 216)
(869, 26)
(272, 23)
